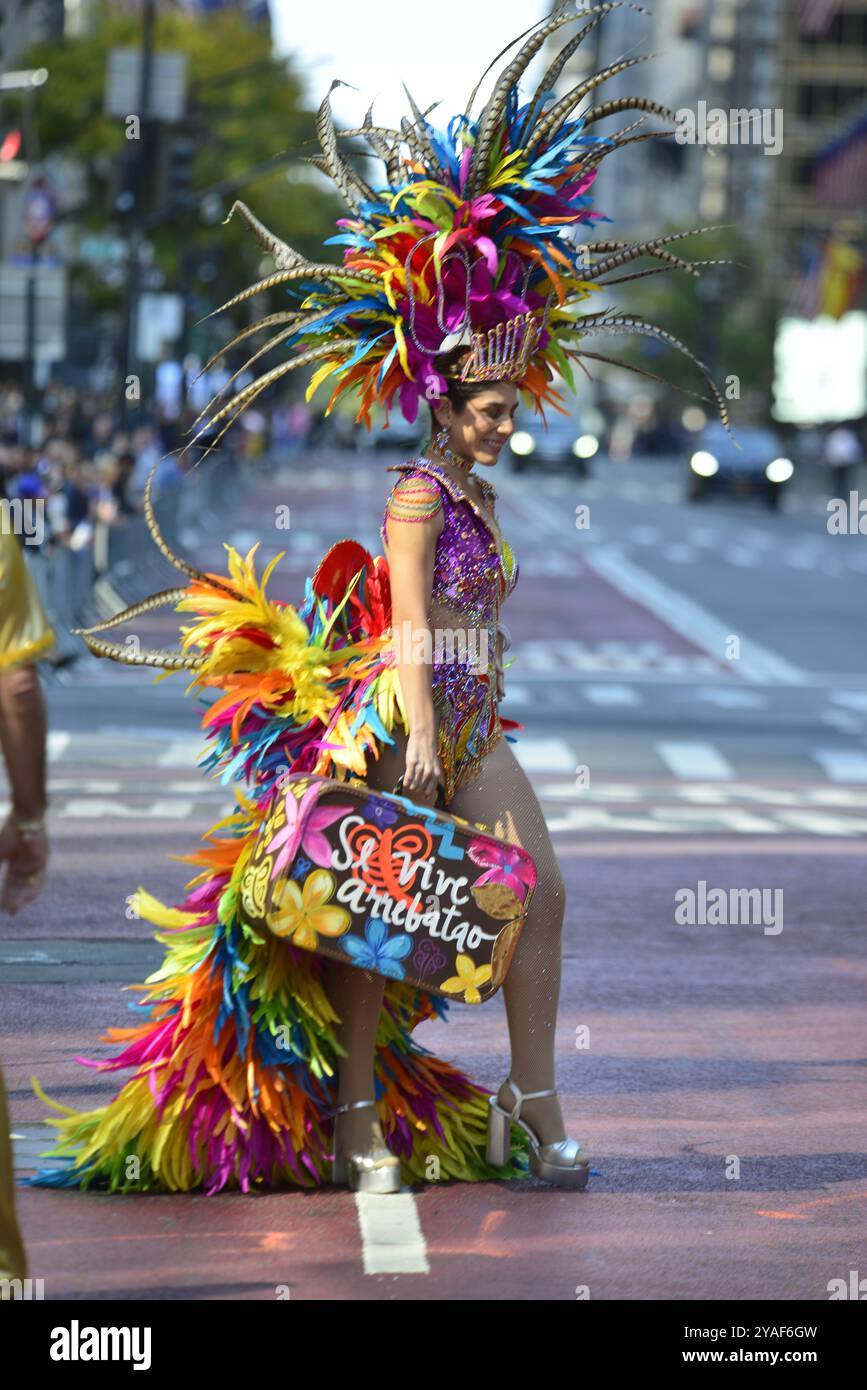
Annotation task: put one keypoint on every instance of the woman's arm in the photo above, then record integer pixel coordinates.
(414, 521)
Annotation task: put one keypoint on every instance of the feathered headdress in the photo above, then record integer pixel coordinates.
(473, 234)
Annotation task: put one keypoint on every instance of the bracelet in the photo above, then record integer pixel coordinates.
(507, 636)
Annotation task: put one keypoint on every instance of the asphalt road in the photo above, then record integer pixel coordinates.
(693, 687)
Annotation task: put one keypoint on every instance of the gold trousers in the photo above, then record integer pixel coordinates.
(25, 633)
(13, 1262)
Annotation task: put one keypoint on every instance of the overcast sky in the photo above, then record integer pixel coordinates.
(440, 50)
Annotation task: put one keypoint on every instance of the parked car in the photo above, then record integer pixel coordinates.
(760, 468)
(563, 444)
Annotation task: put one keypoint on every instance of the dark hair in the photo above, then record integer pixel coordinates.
(458, 392)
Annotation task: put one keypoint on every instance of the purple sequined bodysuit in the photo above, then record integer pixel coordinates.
(472, 577)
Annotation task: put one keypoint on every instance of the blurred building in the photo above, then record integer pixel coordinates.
(820, 200)
(22, 24)
(656, 182)
(791, 78)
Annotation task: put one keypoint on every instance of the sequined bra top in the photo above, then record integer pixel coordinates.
(471, 574)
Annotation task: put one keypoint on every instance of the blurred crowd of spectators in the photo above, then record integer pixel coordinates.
(86, 477)
(85, 471)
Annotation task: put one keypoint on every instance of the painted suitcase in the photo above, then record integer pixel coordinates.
(371, 879)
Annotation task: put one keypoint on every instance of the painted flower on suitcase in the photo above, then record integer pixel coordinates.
(305, 913)
(305, 823)
(468, 980)
(507, 864)
(378, 951)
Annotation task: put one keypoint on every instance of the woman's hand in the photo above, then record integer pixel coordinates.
(423, 768)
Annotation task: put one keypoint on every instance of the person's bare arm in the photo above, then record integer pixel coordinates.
(414, 522)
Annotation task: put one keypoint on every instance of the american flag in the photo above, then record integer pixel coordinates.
(840, 178)
(816, 15)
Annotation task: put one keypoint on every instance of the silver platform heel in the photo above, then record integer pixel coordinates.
(378, 1170)
(563, 1163)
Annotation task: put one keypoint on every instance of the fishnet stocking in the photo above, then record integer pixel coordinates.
(501, 797)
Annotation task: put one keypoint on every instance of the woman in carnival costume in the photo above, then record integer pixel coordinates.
(26, 637)
(460, 286)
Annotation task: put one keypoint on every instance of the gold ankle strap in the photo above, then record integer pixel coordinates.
(28, 827)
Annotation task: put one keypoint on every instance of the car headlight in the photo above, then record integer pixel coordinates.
(585, 446)
(704, 464)
(779, 470)
(521, 442)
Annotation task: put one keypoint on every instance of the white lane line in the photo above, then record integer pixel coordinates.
(683, 615)
(544, 754)
(842, 764)
(610, 694)
(693, 759)
(392, 1240)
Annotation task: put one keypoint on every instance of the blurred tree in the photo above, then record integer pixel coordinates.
(236, 122)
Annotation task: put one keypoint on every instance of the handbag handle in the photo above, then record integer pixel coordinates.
(441, 793)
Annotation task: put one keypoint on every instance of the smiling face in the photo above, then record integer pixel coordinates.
(480, 428)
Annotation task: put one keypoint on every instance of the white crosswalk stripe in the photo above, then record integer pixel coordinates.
(842, 764)
(544, 754)
(551, 656)
(686, 759)
(732, 697)
(611, 694)
(682, 786)
(58, 742)
(181, 752)
(850, 699)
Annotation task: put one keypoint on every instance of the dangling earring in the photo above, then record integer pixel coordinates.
(441, 444)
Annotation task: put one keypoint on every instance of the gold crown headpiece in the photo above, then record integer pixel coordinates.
(502, 353)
